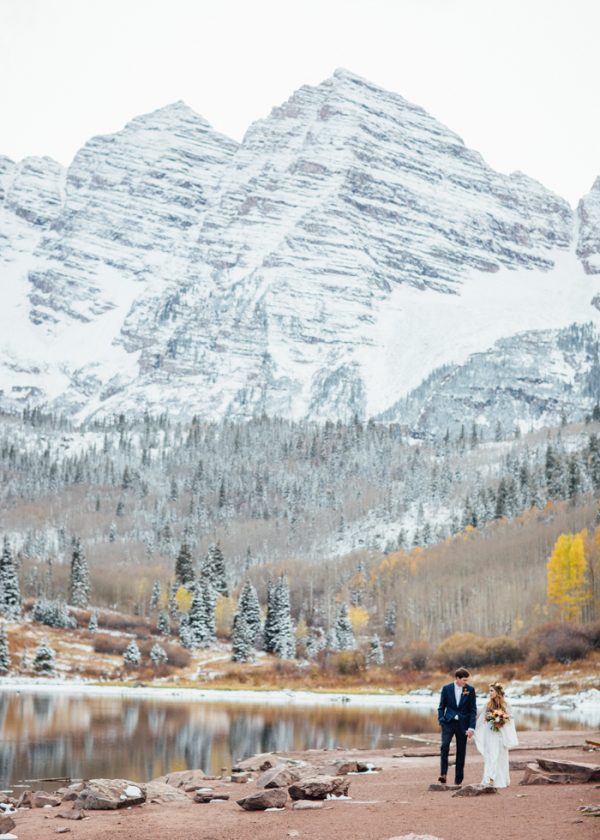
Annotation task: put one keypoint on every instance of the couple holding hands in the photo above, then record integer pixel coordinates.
(493, 731)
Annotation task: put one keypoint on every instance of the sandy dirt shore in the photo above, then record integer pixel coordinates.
(388, 804)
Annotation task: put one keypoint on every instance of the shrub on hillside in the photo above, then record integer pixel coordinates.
(461, 649)
(501, 649)
(113, 645)
(562, 642)
(349, 662)
(135, 624)
(416, 656)
(592, 631)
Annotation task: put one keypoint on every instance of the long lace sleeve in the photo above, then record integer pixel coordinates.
(480, 732)
(509, 732)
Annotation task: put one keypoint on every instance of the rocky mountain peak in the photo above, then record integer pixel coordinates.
(350, 245)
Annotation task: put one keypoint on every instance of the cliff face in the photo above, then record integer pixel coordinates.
(349, 246)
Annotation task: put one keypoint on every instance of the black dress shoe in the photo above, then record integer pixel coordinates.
(442, 779)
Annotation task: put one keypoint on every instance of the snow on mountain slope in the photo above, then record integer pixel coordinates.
(324, 267)
(419, 332)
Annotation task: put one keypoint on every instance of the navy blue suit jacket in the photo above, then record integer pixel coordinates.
(466, 709)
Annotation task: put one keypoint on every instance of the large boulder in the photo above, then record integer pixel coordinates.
(263, 799)
(577, 770)
(319, 787)
(163, 792)
(534, 775)
(475, 790)
(279, 776)
(187, 779)
(6, 824)
(110, 794)
(262, 761)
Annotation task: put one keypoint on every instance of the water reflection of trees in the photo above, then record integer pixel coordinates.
(81, 736)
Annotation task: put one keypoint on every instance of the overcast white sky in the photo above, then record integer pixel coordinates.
(519, 80)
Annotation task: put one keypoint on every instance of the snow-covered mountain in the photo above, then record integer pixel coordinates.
(326, 266)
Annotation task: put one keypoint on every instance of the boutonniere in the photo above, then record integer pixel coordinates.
(465, 691)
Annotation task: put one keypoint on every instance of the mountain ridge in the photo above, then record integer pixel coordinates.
(183, 270)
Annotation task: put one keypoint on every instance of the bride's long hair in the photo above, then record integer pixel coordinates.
(499, 701)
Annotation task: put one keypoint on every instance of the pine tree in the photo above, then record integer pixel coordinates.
(10, 595)
(43, 660)
(279, 630)
(93, 622)
(186, 639)
(270, 619)
(250, 608)
(53, 614)
(196, 618)
(155, 596)
(163, 624)
(331, 640)
(343, 629)
(4, 653)
(158, 655)
(184, 569)
(79, 583)
(213, 569)
(242, 647)
(375, 655)
(132, 656)
(210, 603)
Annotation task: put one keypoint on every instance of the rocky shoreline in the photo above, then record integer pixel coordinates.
(316, 794)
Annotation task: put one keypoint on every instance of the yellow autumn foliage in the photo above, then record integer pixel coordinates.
(183, 599)
(568, 585)
(359, 619)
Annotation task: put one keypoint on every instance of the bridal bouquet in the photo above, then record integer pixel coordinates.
(497, 719)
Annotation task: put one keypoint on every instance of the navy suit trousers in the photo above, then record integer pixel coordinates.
(449, 731)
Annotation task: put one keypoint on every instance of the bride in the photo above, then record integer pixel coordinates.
(495, 734)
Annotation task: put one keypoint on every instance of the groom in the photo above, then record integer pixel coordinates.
(457, 714)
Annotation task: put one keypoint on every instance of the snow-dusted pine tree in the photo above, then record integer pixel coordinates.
(53, 613)
(331, 640)
(375, 654)
(158, 655)
(184, 568)
(79, 582)
(210, 603)
(132, 656)
(155, 596)
(343, 629)
(163, 624)
(196, 618)
(10, 594)
(93, 622)
(4, 653)
(186, 638)
(270, 618)
(250, 608)
(43, 660)
(279, 630)
(213, 569)
(242, 647)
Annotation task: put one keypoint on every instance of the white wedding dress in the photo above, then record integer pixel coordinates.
(494, 747)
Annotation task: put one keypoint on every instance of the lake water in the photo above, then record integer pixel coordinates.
(77, 735)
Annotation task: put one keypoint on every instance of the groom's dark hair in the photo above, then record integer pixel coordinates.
(461, 672)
